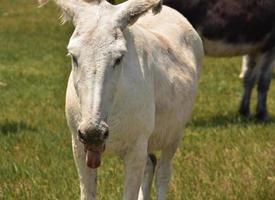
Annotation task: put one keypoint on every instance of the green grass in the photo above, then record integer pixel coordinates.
(222, 156)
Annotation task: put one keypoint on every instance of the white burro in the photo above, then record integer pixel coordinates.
(134, 78)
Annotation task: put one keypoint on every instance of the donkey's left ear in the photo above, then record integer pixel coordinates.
(131, 10)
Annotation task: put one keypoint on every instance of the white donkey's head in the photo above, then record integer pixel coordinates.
(97, 47)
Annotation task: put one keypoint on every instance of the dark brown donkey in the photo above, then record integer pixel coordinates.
(237, 27)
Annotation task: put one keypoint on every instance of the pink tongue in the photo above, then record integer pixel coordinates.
(93, 159)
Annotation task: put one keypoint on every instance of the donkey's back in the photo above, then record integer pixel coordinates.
(171, 28)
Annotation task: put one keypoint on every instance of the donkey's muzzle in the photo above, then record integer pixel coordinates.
(93, 135)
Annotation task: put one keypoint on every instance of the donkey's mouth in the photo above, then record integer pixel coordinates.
(93, 155)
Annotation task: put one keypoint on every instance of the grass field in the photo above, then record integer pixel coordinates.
(222, 155)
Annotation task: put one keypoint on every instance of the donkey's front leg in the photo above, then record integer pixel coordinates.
(87, 176)
(135, 162)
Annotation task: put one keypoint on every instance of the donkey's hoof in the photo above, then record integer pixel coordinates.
(245, 113)
(262, 116)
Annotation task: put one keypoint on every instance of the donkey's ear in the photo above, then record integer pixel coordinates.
(70, 8)
(131, 10)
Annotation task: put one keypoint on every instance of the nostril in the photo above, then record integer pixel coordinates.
(80, 136)
(106, 135)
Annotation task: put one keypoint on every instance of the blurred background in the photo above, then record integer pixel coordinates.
(222, 156)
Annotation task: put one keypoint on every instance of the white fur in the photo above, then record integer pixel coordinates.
(244, 66)
(146, 100)
(223, 49)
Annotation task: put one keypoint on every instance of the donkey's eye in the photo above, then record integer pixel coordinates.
(118, 61)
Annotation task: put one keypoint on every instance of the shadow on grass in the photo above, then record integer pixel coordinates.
(14, 127)
(226, 120)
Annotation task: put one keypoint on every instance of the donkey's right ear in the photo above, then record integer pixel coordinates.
(131, 10)
(70, 8)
